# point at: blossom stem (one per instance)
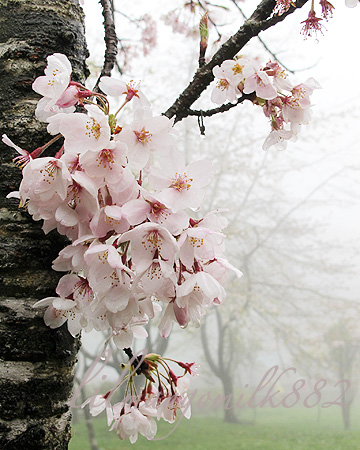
(102, 98)
(121, 107)
(59, 153)
(38, 151)
(89, 102)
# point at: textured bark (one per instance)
(36, 363)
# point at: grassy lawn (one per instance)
(275, 429)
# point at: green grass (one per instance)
(274, 429)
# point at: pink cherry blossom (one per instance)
(126, 189)
(44, 180)
(238, 70)
(260, 83)
(81, 131)
(108, 276)
(105, 164)
(282, 6)
(280, 77)
(151, 241)
(219, 268)
(226, 86)
(200, 243)
(24, 157)
(129, 422)
(197, 292)
(134, 251)
(171, 405)
(181, 187)
(64, 309)
(157, 279)
(109, 218)
(56, 79)
(146, 136)
(147, 207)
(278, 138)
(296, 106)
(81, 201)
(123, 334)
(70, 258)
(97, 404)
(132, 90)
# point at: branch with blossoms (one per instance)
(164, 396)
(121, 192)
(263, 43)
(261, 19)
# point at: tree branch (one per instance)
(261, 19)
(261, 41)
(111, 40)
(216, 369)
(220, 109)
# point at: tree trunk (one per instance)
(228, 388)
(346, 415)
(36, 363)
(89, 424)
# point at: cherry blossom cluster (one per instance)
(287, 110)
(121, 191)
(164, 396)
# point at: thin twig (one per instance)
(110, 41)
(222, 108)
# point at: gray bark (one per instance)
(36, 363)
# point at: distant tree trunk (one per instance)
(346, 415)
(346, 401)
(36, 363)
(221, 366)
(228, 387)
(89, 425)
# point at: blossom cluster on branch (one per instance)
(164, 396)
(286, 111)
(121, 191)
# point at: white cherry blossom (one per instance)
(179, 186)
(260, 83)
(143, 137)
(151, 241)
(82, 132)
(56, 79)
(131, 90)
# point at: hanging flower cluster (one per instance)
(286, 111)
(122, 194)
(164, 396)
(313, 23)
